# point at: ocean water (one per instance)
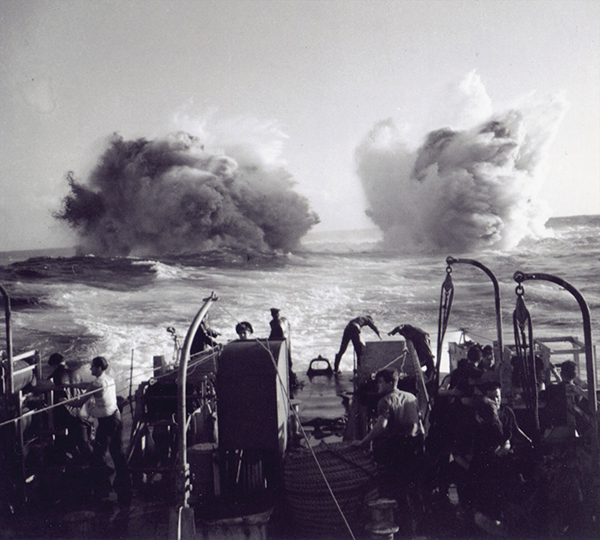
(121, 307)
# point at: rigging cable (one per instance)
(446, 297)
(524, 344)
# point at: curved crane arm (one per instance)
(181, 395)
(450, 261)
(590, 362)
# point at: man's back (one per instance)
(401, 410)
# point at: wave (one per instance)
(577, 234)
(121, 307)
(28, 302)
(93, 271)
(229, 258)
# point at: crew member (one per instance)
(352, 334)
(397, 438)
(467, 372)
(508, 420)
(68, 417)
(494, 472)
(565, 400)
(568, 373)
(280, 327)
(244, 330)
(103, 391)
(204, 338)
(421, 342)
(487, 358)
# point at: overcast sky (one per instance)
(321, 73)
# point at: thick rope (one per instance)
(287, 397)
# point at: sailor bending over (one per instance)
(352, 334)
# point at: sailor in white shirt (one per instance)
(109, 433)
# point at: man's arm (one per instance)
(516, 431)
(212, 333)
(413, 417)
(92, 388)
(377, 431)
(374, 328)
(80, 386)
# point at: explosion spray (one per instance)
(175, 196)
(463, 189)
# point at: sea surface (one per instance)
(83, 306)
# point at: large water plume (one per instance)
(176, 195)
(463, 189)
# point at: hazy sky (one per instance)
(312, 75)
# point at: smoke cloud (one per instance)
(463, 189)
(177, 195)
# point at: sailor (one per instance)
(495, 472)
(280, 327)
(568, 372)
(487, 358)
(204, 338)
(243, 330)
(467, 372)
(352, 334)
(397, 438)
(421, 342)
(108, 434)
(68, 417)
(564, 401)
(510, 429)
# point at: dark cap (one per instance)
(274, 311)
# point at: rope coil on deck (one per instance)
(350, 472)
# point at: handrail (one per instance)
(450, 261)
(9, 347)
(25, 369)
(25, 355)
(590, 362)
(181, 398)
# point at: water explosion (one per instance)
(175, 196)
(463, 189)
